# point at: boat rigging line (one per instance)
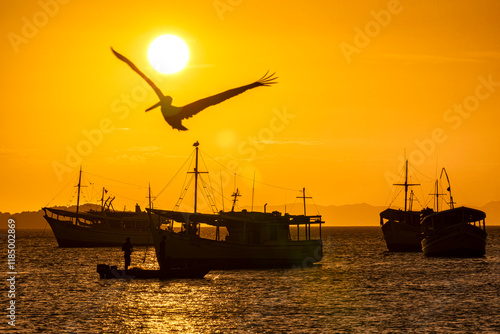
(60, 191)
(211, 195)
(109, 179)
(175, 175)
(405, 170)
(248, 178)
(183, 193)
(315, 206)
(303, 197)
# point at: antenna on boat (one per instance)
(304, 198)
(406, 185)
(236, 194)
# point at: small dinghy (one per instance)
(106, 272)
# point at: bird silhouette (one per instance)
(174, 115)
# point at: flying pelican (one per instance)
(174, 115)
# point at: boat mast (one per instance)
(304, 198)
(406, 185)
(79, 185)
(437, 194)
(196, 178)
(308, 226)
(150, 203)
(236, 194)
(253, 189)
(196, 172)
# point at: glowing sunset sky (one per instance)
(359, 83)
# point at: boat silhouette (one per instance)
(251, 239)
(98, 228)
(456, 232)
(401, 228)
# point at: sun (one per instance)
(168, 54)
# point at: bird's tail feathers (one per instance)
(176, 124)
(268, 79)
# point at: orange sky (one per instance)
(359, 83)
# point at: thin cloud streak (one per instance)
(469, 57)
(289, 142)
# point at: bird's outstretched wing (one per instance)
(192, 109)
(136, 70)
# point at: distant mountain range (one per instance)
(343, 215)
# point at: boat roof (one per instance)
(98, 214)
(388, 213)
(463, 212)
(223, 218)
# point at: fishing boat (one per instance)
(401, 229)
(242, 239)
(98, 228)
(456, 232)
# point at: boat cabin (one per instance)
(243, 226)
(463, 215)
(412, 218)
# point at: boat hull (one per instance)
(401, 237)
(460, 240)
(69, 235)
(181, 249)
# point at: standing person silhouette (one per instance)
(127, 250)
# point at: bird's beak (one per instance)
(154, 106)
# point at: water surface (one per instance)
(358, 287)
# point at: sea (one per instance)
(358, 287)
